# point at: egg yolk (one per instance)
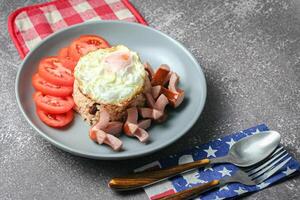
(118, 60)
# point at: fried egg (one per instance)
(110, 76)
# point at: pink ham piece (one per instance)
(114, 128)
(157, 110)
(103, 122)
(161, 103)
(160, 76)
(131, 127)
(167, 79)
(102, 137)
(144, 123)
(112, 141)
(150, 100)
(149, 70)
(101, 132)
(174, 79)
(118, 60)
(142, 135)
(173, 93)
(148, 86)
(151, 113)
(163, 118)
(175, 98)
(156, 91)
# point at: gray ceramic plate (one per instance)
(154, 47)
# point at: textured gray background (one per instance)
(250, 52)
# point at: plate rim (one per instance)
(77, 152)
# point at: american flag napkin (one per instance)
(29, 25)
(213, 149)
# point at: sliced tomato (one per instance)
(85, 44)
(65, 58)
(52, 104)
(45, 87)
(55, 120)
(52, 70)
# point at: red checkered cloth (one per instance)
(29, 25)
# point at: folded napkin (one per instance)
(27, 26)
(193, 178)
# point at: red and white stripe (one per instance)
(30, 25)
(158, 190)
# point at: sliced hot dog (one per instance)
(132, 128)
(142, 135)
(175, 98)
(161, 102)
(160, 75)
(174, 79)
(167, 79)
(114, 128)
(163, 118)
(156, 91)
(150, 100)
(149, 70)
(151, 113)
(157, 109)
(102, 137)
(173, 93)
(145, 123)
(103, 121)
(148, 86)
(102, 131)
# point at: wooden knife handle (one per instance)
(141, 179)
(192, 192)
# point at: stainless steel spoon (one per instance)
(244, 153)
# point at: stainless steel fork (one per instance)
(248, 176)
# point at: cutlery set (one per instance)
(258, 157)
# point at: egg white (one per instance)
(103, 85)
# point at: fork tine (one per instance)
(278, 149)
(262, 166)
(271, 172)
(270, 166)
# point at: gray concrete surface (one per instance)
(250, 52)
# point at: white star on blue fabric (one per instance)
(263, 185)
(225, 187)
(191, 177)
(218, 198)
(218, 147)
(289, 171)
(210, 152)
(225, 172)
(240, 191)
(230, 143)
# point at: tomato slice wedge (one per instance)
(52, 70)
(45, 87)
(86, 43)
(66, 59)
(52, 104)
(55, 120)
